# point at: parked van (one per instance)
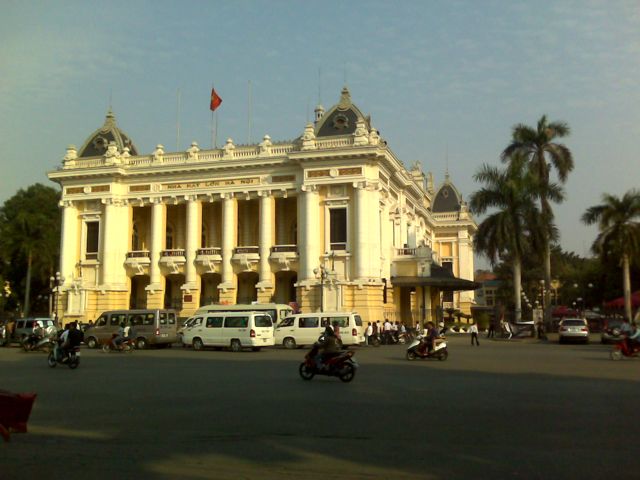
(151, 327)
(235, 330)
(305, 328)
(277, 311)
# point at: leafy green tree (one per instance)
(510, 230)
(30, 239)
(543, 154)
(618, 220)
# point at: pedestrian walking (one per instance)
(473, 329)
(491, 333)
(368, 334)
(387, 331)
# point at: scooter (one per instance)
(622, 349)
(72, 360)
(34, 343)
(341, 365)
(418, 349)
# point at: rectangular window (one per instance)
(309, 322)
(338, 228)
(236, 322)
(448, 266)
(118, 318)
(92, 243)
(263, 321)
(214, 322)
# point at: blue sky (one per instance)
(440, 79)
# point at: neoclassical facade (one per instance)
(331, 221)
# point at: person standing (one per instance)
(368, 334)
(387, 331)
(473, 329)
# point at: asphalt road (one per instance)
(506, 409)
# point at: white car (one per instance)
(575, 329)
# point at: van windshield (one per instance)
(263, 321)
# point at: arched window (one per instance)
(135, 239)
(204, 236)
(169, 238)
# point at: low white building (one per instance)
(332, 221)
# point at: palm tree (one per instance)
(542, 154)
(619, 224)
(511, 229)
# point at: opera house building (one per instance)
(331, 221)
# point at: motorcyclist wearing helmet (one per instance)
(329, 347)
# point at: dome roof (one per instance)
(447, 198)
(341, 119)
(97, 143)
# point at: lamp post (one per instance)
(322, 273)
(56, 282)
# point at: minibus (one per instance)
(234, 330)
(306, 328)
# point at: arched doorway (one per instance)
(247, 292)
(138, 293)
(285, 291)
(209, 292)
(173, 292)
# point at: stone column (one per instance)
(69, 240)
(229, 229)
(361, 232)
(157, 241)
(309, 241)
(266, 237)
(375, 237)
(193, 237)
(109, 234)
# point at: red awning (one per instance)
(619, 302)
(563, 311)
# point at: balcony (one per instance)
(209, 258)
(173, 259)
(138, 261)
(247, 257)
(283, 255)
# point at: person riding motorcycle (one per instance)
(633, 338)
(118, 337)
(37, 333)
(70, 338)
(431, 335)
(329, 347)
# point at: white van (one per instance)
(305, 328)
(236, 330)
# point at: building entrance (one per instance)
(247, 292)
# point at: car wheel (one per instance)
(306, 372)
(289, 343)
(347, 373)
(141, 343)
(92, 342)
(197, 344)
(236, 346)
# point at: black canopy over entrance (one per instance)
(440, 278)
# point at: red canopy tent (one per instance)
(563, 311)
(619, 302)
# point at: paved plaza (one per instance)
(506, 409)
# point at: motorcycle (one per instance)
(342, 365)
(622, 349)
(72, 360)
(124, 346)
(418, 349)
(34, 343)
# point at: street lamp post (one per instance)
(56, 282)
(321, 273)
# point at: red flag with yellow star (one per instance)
(215, 100)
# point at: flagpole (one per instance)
(212, 140)
(178, 123)
(216, 130)
(249, 114)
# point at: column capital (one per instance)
(309, 188)
(191, 198)
(67, 204)
(227, 196)
(264, 193)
